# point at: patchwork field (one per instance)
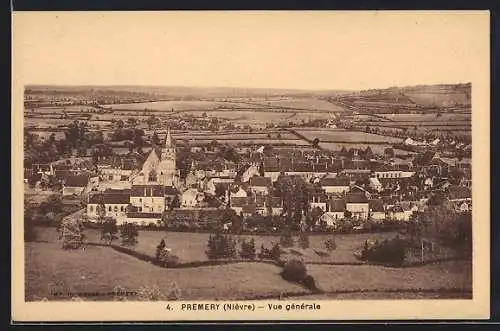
(302, 104)
(340, 135)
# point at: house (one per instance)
(336, 208)
(191, 198)
(459, 193)
(397, 213)
(148, 198)
(318, 199)
(252, 171)
(375, 184)
(377, 209)
(75, 184)
(260, 185)
(115, 204)
(357, 204)
(336, 185)
(464, 207)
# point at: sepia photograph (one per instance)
(247, 165)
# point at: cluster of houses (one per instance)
(354, 184)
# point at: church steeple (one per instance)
(168, 140)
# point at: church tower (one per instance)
(167, 167)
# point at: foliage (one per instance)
(129, 234)
(109, 230)
(304, 240)
(294, 193)
(330, 244)
(248, 249)
(72, 233)
(30, 233)
(294, 271)
(286, 239)
(221, 247)
(160, 248)
(391, 252)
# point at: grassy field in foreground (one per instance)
(191, 246)
(370, 277)
(101, 269)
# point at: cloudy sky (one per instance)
(309, 50)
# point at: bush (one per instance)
(161, 246)
(275, 252)
(72, 233)
(220, 247)
(330, 244)
(248, 249)
(167, 259)
(109, 231)
(286, 239)
(304, 240)
(294, 271)
(391, 252)
(129, 234)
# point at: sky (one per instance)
(296, 50)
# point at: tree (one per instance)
(294, 193)
(155, 140)
(303, 240)
(129, 234)
(314, 218)
(248, 249)
(72, 233)
(161, 246)
(286, 239)
(109, 230)
(315, 142)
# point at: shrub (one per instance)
(275, 252)
(330, 244)
(391, 252)
(286, 239)
(72, 233)
(160, 249)
(304, 240)
(248, 249)
(167, 259)
(294, 271)
(220, 247)
(129, 234)
(109, 230)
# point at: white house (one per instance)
(357, 204)
(337, 185)
(115, 205)
(191, 198)
(260, 185)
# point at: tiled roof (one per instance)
(356, 198)
(260, 181)
(147, 190)
(110, 197)
(76, 180)
(459, 192)
(335, 181)
(337, 205)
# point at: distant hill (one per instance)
(175, 91)
(442, 95)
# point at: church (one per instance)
(158, 182)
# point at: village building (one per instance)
(260, 185)
(377, 210)
(357, 204)
(76, 184)
(115, 203)
(336, 185)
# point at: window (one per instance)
(109, 208)
(91, 208)
(122, 208)
(115, 209)
(140, 200)
(110, 177)
(140, 209)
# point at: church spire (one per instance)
(168, 140)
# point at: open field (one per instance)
(301, 104)
(191, 246)
(371, 277)
(428, 117)
(101, 269)
(340, 135)
(222, 136)
(178, 105)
